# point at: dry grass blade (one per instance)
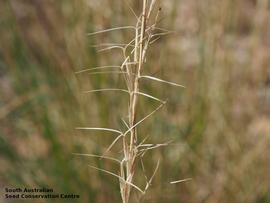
(123, 90)
(124, 63)
(151, 8)
(110, 48)
(107, 89)
(111, 29)
(125, 122)
(154, 40)
(163, 33)
(143, 141)
(131, 9)
(96, 68)
(107, 72)
(131, 63)
(143, 119)
(99, 129)
(142, 152)
(160, 80)
(165, 30)
(149, 96)
(112, 144)
(153, 146)
(119, 177)
(98, 156)
(148, 182)
(144, 171)
(181, 181)
(153, 175)
(111, 44)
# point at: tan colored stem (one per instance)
(130, 149)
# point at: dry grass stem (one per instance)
(181, 181)
(132, 68)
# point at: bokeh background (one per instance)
(219, 124)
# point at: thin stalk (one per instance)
(130, 151)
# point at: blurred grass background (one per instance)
(220, 123)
